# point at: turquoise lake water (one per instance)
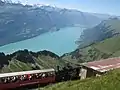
(59, 42)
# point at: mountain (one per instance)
(19, 22)
(101, 50)
(99, 42)
(103, 16)
(106, 29)
(104, 46)
(109, 81)
(24, 60)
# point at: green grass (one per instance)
(42, 61)
(115, 24)
(97, 43)
(105, 49)
(15, 66)
(49, 62)
(106, 29)
(110, 81)
(109, 46)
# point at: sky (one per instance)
(97, 6)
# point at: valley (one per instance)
(42, 37)
(20, 22)
(59, 42)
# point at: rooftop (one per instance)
(104, 64)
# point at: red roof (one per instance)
(104, 65)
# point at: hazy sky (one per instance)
(99, 6)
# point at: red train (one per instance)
(24, 78)
(27, 78)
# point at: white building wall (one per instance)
(83, 73)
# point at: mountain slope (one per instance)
(110, 46)
(18, 22)
(106, 29)
(101, 50)
(107, 47)
(106, 82)
(24, 60)
(99, 42)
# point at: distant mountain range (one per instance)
(19, 22)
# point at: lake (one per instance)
(59, 42)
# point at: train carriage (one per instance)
(24, 78)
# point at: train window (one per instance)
(37, 75)
(43, 75)
(0, 80)
(29, 76)
(4, 80)
(48, 74)
(22, 77)
(12, 79)
(32, 76)
(9, 79)
(52, 73)
(40, 74)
